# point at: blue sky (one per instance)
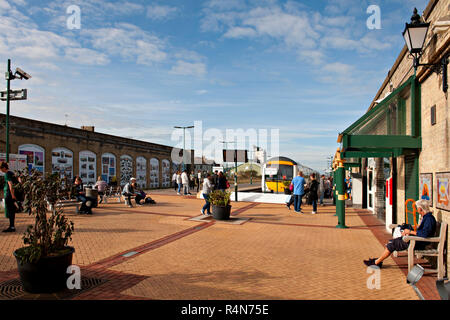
(138, 68)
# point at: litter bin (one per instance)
(92, 194)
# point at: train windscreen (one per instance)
(285, 172)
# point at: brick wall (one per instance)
(435, 154)
(50, 136)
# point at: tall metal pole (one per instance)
(8, 87)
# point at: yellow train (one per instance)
(278, 173)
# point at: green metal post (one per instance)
(8, 87)
(340, 197)
(334, 190)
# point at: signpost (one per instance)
(9, 95)
(235, 156)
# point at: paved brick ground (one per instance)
(277, 254)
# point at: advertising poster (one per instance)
(141, 172)
(126, 169)
(17, 162)
(108, 167)
(443, 191)
(88, 165)
(154, 173)
(35, 156)
(166, 173)
(62, 162)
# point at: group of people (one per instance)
(300, 189)
(140, 197)
(216, 181)
(183, 182)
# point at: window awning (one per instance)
(390, 129)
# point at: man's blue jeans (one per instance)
(297, 202)
(322, 195)
(314, 205)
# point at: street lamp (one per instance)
(12, 95)
(415, 34)
(184, 142)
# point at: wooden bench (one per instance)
(438, 250)
(67, 203)
(112, 192)
(125, 199)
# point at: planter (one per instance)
(47, 275)
(221, 213)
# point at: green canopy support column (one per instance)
(340, 191)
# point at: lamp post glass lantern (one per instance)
(415, 34)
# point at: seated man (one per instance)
(129, 190)
(86, 202)
(426, 229)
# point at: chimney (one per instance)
(88, 128)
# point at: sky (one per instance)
(136, 69)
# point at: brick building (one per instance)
(400, 149)
(71, 151)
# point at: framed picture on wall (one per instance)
(443, 190)
(426, 187)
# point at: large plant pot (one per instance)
(47, 275)
(221, 213)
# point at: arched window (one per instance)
(88, 167)
(165, 173)
(108, 167)
(154, 173)
(141, 172)
(126, 169)
(62, 162)
(35, 156)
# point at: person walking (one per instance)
(322, 188)
(299, 191)
(179, 182)
(185, 182)
(198, 180)
(174, 181)
(10, 197)
(100, 185)
(313, 192)
(221, 182)
(207, 188)
(214, 178)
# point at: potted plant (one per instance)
(286, 185)
(44, 259)
(220, 201)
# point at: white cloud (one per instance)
(201, 92)
(86, 56)
(187, 68)
(239, 32)
(157, 12)
(129, 42)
